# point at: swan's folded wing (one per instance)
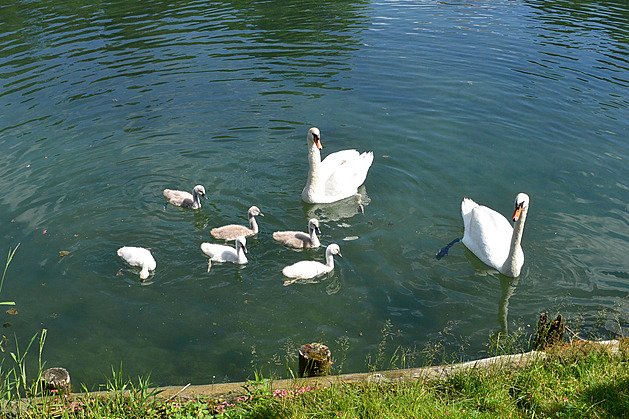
(335, 160)
(219, 252)
(180, 198)
(177, 195)
(488, 235)
(349, 174)
(305, 269)
(230, 232)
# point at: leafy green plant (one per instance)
(19, 384)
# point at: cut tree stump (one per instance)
(549, 334)
(56, 379)
(315, 359)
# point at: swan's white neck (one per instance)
(515, 259)
(314, 161)
(314, 240)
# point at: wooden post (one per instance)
(549, 334)
(56, 379)
(315, 359)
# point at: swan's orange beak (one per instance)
(317, 142)
(516, 214)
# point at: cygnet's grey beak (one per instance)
(340, 254)
(205, 196)
(317, 230)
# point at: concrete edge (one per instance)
(434, 372)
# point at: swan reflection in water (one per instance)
(339, 210)
(508, 286)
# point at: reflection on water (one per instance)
(507, 286)
(340, 210)
(105, 105)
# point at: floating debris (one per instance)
(12, 311)
(63, 253)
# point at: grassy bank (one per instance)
(576, 381)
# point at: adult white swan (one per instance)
(138, 257)
(307, 269)
(338, 176)
(222, 253)
(489, 235)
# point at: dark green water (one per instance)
(105, 104)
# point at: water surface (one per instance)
(105, 104)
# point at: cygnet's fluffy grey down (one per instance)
(222, 253)
(231, 231)
(185, 199)
(307, 269)
(138, 257)
(298, 239)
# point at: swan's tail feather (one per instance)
(467, 206)
(444, 251)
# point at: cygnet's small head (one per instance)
(334, 249)
(521, 202)
(314, 136)
(253, 211)
(313, 224)
(200, 190)
(144, 273)
(242, 243)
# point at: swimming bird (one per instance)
(185, 199)
(489, 235)
(138, 257)
(307, 269)
(299, 240)
(222, 253)
(338, 176)
(231, 231)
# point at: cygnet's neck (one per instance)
(240, 253)
(253, 223)
(144, 273)
(512, 266)
(314, 240)
(329, 259)
(196, 199)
